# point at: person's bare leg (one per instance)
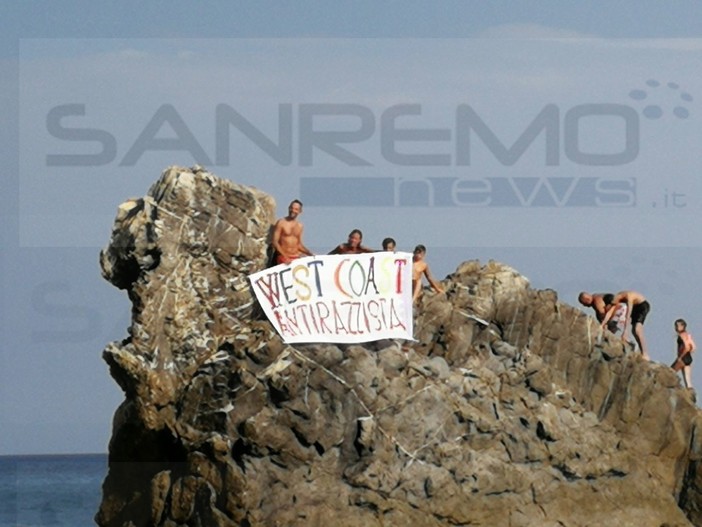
(641, 341)
(687, 376)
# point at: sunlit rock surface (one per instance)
(510, 409)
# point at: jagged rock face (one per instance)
(183, 253)
(509, 409)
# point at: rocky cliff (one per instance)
(508, 410)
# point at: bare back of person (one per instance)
(597, 301)
(418, 269)
(628, 297)
(421, 268)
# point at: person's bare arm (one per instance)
(302, 247)
(433, 283)
(689, 344)
(608, 315)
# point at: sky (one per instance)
(558, 137)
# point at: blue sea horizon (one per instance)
(51, 489)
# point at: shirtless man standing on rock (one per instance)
(421, 268)
(287, 236)
(637, 309)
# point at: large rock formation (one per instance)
(510, 409)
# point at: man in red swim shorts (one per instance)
(287, 236)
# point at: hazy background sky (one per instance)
(141, 86)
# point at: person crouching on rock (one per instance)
(600, 303)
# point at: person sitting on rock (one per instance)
(637, 309)
(419, 268)
(685, 346)
(353, 245)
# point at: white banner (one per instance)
(339, 298)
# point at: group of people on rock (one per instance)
(616, 311)
(287, 246)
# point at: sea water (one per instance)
(51, 490)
